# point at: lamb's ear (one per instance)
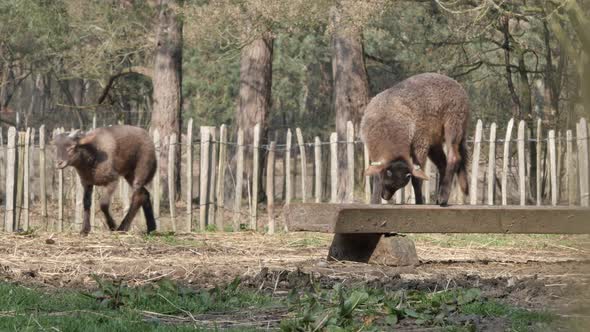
(87, 138)
(76, 134)
(375, 168)
(419, 173)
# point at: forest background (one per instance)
(284, 63)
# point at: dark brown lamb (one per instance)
(410, 122)
(100, 157)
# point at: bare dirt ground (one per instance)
(537, 272)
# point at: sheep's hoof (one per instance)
(84, 233)
(444, 204)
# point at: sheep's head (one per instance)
(68, 147)
(394, 175)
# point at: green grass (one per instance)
(520, 319)
(171, 239)
(114, 306)
(310, 240)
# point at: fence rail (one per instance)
(221, 177)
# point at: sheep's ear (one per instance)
(375, 168)
(419, 173)
(88, 138)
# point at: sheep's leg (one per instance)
(453, 160)
(437, 155)
(419, 156)
(417, 184)
(87, 202)
(104, 205)
(138, 199)
(462, 173)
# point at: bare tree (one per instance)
(167, 81)
(351, 88)
(255, 93)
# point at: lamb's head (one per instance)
(68, 147)
(394, 175)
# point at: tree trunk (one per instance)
(255, 98)
(351, 89)
(6, 80)
(167, 82)
(505, 29)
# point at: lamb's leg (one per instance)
(149, 213)
(104, 205)
(437, 155)
(87, 202)
(138, 199)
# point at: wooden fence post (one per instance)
(559, 144)
(475, 163)
(20, 178)
(220, 220)
(212, 175)
(204, 178)
(506, 162)
(2, 166)
(43, 187)
(172, 141)
(333, 167)
(350, 161)
(125, 199)
(409, 197)
(255, 168)
(521, 162)
(367, 178)
(582, 138)
(288, 177)
(94, 200)
(239, 180)
(318, 169)
(570, 168)
(399, 196)
(303, 164)
(31, 163)
(26, 179)
(157, 180)
(539, 169)
(270, 193)
(10, 207)
(189, 176)
(79, 203)
(553, 167)
(60, 197)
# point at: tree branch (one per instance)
(137, 70)
(7, 122)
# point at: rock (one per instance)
(395, 250)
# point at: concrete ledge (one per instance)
(361, 218)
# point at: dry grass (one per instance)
(212, 258)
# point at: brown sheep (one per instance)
(100, 157)
(409, 122)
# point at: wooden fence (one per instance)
(218, 177)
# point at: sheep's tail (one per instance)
(462, 170)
